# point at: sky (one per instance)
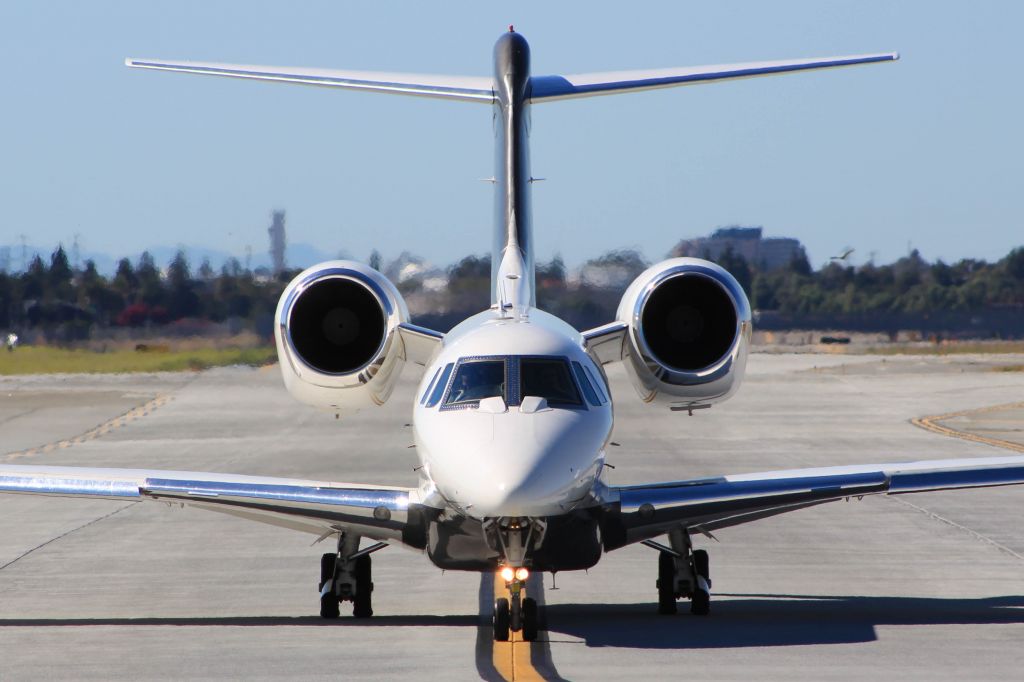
(924, 153)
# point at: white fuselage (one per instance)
(501, 455)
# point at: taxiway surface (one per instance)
(917, 587)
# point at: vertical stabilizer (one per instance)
(512, 266)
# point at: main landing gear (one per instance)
(518, 614)
(346, 575)
(682, 572)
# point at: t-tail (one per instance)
(511, 91)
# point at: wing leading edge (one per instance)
(550, 88)
(380, 513)
(465, 88)
(640, 512)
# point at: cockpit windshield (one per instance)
(477, 380)
(511, 378)
(548, 378)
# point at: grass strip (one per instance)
(979, 348)
(49, 360)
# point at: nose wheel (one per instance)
(516, 614)
(502, 619)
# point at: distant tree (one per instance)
(34, 279)
(552, 273)
(178, 271)
(150, 287)
(95, 295)
(471, 267)
(60, 275)
(182, 300)
(232, 268)
(376, 260)
(206, 272)
(799, 265)
(737, 265)
(125, 280)
(1014, 264)
(469, 283)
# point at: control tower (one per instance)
(277, 242)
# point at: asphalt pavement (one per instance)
(925, 586)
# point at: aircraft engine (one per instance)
(689, 333)
(337, 336)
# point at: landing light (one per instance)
(522, 574)
(507, 574)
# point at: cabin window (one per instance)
(548, 378)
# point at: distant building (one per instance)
(765, 253)
(277, 243)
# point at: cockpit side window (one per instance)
(548, 378)
(430, 386)
(439, 386)
(477, 380)
(588, 389)
(597, 386)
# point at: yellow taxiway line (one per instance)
(931, 424)
(95, 432)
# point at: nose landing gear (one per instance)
(517, 613)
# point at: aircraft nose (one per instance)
(515, 463)
(526, 476)
(512, 481)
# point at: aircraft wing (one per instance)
(466, 88)
(322, 508)
(550, 88)
(640, 512)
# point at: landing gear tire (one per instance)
(701, 564)
(700, 605)
(666, 584)
(530, 622)
(701, 602)
(329, 607)
(502, 619)
(362, 603)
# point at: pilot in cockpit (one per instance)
(476, 381)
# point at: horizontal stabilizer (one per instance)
(466, 88)
(549, 88)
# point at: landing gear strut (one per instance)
(683, 572)
(346, 575)
(518, 614)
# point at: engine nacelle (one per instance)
(337, 336)
(689, 333)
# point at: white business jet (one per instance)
(513, 412)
